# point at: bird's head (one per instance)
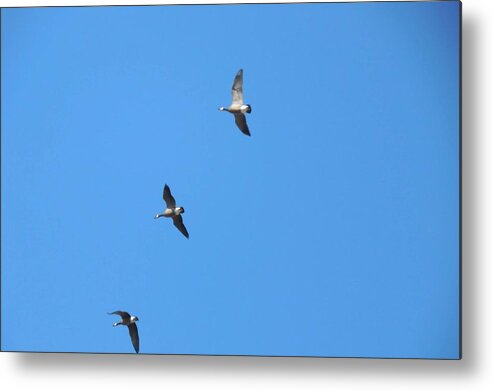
(182, 209)
(133, 319)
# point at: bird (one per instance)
(129, 320)
(237, 107)
(173, 211)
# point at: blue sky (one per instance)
(332, 231)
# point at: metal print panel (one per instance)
(316, 213)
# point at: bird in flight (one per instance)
(129, 321)
(173, 211)
(237, 107)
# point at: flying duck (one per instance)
(128, 320)
(173, 211)
(238, 108)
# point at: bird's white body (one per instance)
(244, 108)
(170, 212)
(236, 109)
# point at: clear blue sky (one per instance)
(332, 231)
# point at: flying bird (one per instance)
(128, 320)
(173, 211)
(237, 107)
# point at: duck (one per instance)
(237, 107)
(129, 321)
(173, 211)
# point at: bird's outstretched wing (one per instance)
(178, 223)
(240, 121)
(134, 336)
(237, 89)
(168, 198)
(123, 314)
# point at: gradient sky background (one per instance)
(332, 231)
